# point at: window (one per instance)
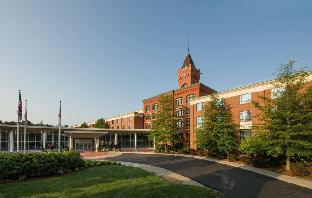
(117, 121)
(180, 123)
(245, 116)
(187, 111)
(245, 98)
(155, 107)
(112, 121)
(199, 106)
(199, 121)
(245, 133)
(190, 98)
(147, 109)
(277, 92)
(179, 112)
(147, 117)
(179, 101)
(153, 116)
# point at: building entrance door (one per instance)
(83, 145)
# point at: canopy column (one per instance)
(70, 142)
(97, 143)
(11, 141)
(116, 139)
(44, 139)
(135, 141)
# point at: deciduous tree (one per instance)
(217, 133)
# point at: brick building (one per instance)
(132, 120)
(189, 88)
(245, 114)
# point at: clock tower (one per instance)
(188, 74)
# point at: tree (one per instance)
(164, 127)
(217, 133)
(287, 118)
(100, 123)
(84, 125)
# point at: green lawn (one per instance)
(106, 181)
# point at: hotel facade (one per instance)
(191, 97)
(131, 130)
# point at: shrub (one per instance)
(299, 169)
(185, 149)
(19, 165)
(93, 163)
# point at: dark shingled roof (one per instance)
(188, 60)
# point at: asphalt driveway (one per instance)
(230, 181)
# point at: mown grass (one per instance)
(105, 181)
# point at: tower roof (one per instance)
(188, 60)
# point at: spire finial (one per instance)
(188, 42)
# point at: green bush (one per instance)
(93, 163)
(20, 166)
(299, 169)
(185, 149)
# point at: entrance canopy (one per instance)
(46, 136)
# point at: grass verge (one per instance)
(104, 181)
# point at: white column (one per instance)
(96, 141)
(70, 142)
(11, 143)
(17, 136)
(52, 138)
(135, 141)
(44, 139)
(154, 144)
(116, 139)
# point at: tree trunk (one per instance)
(288, 163)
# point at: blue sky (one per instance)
(101, 58)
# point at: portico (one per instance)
(80, 139)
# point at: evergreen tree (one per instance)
(164, 127)
(84, 125)
(287, 129)
(217, 134)
(100, 123)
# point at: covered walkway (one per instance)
(81, 139)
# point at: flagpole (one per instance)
(25, 126)
(60, 123)
(18, 120)
(17, 133)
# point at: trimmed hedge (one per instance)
(94, 163)
(21, 166)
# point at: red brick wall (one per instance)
(236, 108)
(197, 90)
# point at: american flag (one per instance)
(19, 107)
(60, 113)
